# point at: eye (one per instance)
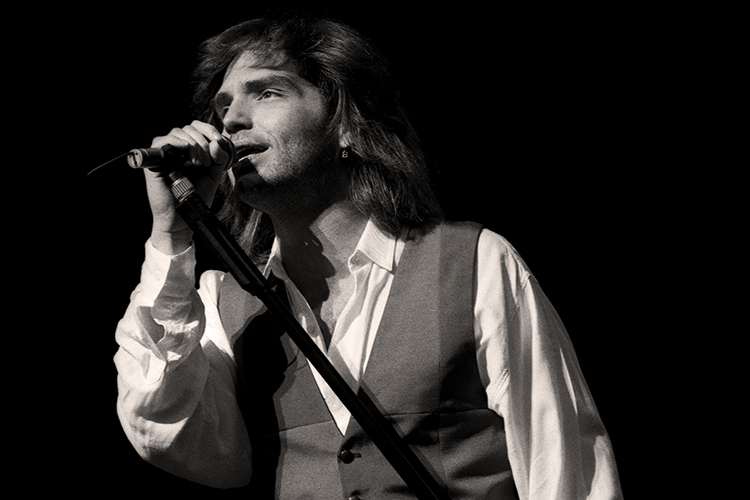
(268, 94)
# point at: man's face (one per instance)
(277, 121)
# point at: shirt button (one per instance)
(347, 456)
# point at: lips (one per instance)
(245, 156)
(248, 152)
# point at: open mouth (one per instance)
(248, 152)
(245, 159)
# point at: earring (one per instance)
(345, 153)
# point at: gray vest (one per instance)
(422, 373)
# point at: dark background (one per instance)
(558, 129)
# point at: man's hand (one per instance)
(208, 160)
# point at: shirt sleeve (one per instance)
(557, 444)
(176, 377)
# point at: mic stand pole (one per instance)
(197, 215)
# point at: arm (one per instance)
(176, 376)
(176, 379)
(557, 444)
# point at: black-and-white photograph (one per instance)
(359, 252)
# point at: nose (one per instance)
(236, 117)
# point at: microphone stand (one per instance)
(197, 215)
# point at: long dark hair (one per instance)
(389, 177)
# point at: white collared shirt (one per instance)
(557, 445)
(373, 265)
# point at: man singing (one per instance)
(441, 323)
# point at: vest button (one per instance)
(347, 456)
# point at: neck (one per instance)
(316, 249)
(315, 257)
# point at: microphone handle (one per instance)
(167, 156)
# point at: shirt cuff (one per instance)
(166, 275)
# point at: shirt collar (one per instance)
(376, 245)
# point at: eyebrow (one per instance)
(257, 85)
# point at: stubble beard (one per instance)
(302, 181)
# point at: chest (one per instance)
(425, 341)
(328, 303)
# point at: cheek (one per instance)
(309, 135)
(299, 123)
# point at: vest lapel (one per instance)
(409, 322)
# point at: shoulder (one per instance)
(492, 251)
(492, 247)
(500, 269)
(455, 233)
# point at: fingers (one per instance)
(202, 140)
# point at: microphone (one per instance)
(169, 157)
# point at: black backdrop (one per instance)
(539, 124)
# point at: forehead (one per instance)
(251, 62)
(251, 73)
